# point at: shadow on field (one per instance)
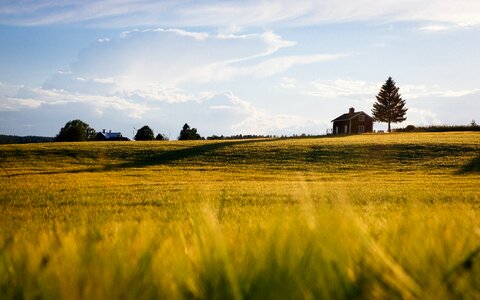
(153, 157)
(294, 156)
(472, 167)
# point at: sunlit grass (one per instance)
(371, 216)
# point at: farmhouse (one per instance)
(109, 136)
(353, 122)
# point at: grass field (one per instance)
(370, 216)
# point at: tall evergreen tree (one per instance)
(390, 107)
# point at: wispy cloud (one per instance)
(103, 40)
(196, 35)
(140, 59)
(358, 88)
(423, 117)
(200, 36)
(288, 83)
(234, 14)
(278, 65)
(423, 91)
(443, 27)
(341, 88)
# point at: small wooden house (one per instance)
(353, 123)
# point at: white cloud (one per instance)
(140, 59)
(421, 91)
(103, 40)
(272, 41)
(357, 88)
(222, 71)
(235, 14)
(422, 117)
(211, 112)
(342, 88)
(435, 28)
(200, 36)
(280, 124)
(288, 83)
(443, 27)
(14, 104)
(8, 89)
(281, 64)
(26, 97)
(159, 92)
(127, 33)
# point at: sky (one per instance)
(233, 67)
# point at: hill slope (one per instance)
(370, 216)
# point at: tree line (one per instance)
(146, 134)
(14, 139)
(80, 131)
(440, 128)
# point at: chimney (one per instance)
(110, 131)
(351, 110)
(103, 131)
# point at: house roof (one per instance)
(348, 116)
(109, 135)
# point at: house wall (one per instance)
(367, 125)
(352, 126)
(341, 127)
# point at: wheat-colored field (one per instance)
(369, 216)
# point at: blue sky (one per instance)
(231, 67)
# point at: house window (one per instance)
(361, 129)
(361, 118)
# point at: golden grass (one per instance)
(370, 216)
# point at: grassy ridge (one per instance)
(371, 216)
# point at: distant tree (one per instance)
(473, 123)
(75, 131)
(410, 128)
(188, 133)
(161, 137)
(13, 139)
(389, 107)
(144, 134)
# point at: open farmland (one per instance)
(369, 216)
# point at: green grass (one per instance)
(370, 216)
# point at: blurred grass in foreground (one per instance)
(371, 216)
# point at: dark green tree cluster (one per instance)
(389, 107)
(75, 131)
(161, 137)
(144, 134)
(188, 133)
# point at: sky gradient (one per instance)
(233, 67)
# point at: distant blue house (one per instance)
(109, 136)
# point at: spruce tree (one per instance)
(389, 107)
